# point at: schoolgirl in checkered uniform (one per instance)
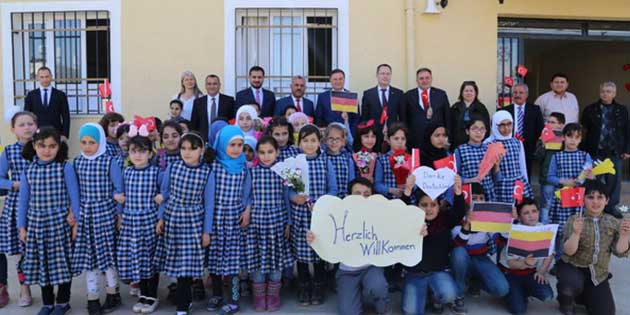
(384, 179)
(138, 217)
(566, 165)
(512, 166)
(12, 164)
(368, 140)
(281, 130)
(342, 162)
(184, 216)
(230, 188)
(94, 251)
(110, 123)
(170, 135)
(322, 181)
(469, 155)
(268, 251)
(122, 160)
(48, 206)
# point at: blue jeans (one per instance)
(481, 267)
(614, 183)
(546, 199)
(415, 286)
(559, 247)
(521, 288)
(259, 277)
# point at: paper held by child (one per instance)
(489, 159)
(492, 217)
(538, 241)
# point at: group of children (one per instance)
(144, 199)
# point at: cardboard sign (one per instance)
(538, 241)
(434, 182)
(359, 231)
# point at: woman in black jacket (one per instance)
(462, 111)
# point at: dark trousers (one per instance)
(3, 269)
(304, 275)
(233, 287)
(148, 287)
(63, 294)
(523, 287)
(183, 295)
(574, 282)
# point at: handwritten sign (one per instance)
(433, 182)
(538, 241)
(359, 231)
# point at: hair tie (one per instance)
(135, 131)
(368, 124)
(196, 135)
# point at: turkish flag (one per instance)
(414, 162)
(547, 134)
(572, 197)
(521, 70)
(508, 81)
(519, 137)
(147, 121)
(517, 194)
(467, 192)
(109, 106)
(448, 162)
(105, 89)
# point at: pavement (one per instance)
(483, 305)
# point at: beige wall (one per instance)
(160, 39)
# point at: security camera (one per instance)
(443, 3)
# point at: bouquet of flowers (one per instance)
(294, 172)
(399, 163)
(365, 161)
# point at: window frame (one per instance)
(6, 11)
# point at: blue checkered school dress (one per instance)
(49, 244)
(121, 160)
(301, 214)
(287, 152)
(163, 159)
(94, 248)
(226, 254)
(469, 158)
(137, 240)
(9, 234)
(510, 171)
(267, 248)
(179, 249)
(388, 176)
(113, 149)
(568, 165)
(342, 172)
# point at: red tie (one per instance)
(425, 99)
(297, 104)
(384, 104)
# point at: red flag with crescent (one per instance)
(521, 70)
(519, 187)
(109, 106)
(147, 121)
(105, 89)
(467, 192)
(448, 162)
(547, 134)
(573, 197)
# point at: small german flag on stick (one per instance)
(344, 102)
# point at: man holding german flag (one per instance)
(337, 104)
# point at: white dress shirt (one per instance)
(380, 94)
(566, 104)
(420, 97)
(262, 96)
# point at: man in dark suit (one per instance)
(382, 102)
(297, 99)
(324, 114)
(210, 107)
(49, 104)
(422, 105)
(528, 121)
(255, 94)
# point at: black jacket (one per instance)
(592, 123)
(416, 118)
(199, 117)
(534, 125)
(371, 107)
(57, 114)
(457, 134)
(246, 96)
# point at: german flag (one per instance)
(493, 217)
(532, 240)
(344, 102)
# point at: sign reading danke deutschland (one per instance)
(359, 231)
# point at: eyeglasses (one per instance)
(505, 125)
(334, 140)
(478, 129)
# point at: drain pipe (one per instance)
(410, 10)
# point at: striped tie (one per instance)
(520, 117)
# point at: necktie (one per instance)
(45, 98)
(384, 105)
(520, 119)
(425, 99)
(297, 104)
(213, 110)
(258, 98)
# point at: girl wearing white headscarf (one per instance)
(512, 166)
(100, 181)
(245, 123)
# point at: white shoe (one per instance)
(137, 308)
(150, 308)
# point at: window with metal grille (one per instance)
(286, 42)
(75, 45)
